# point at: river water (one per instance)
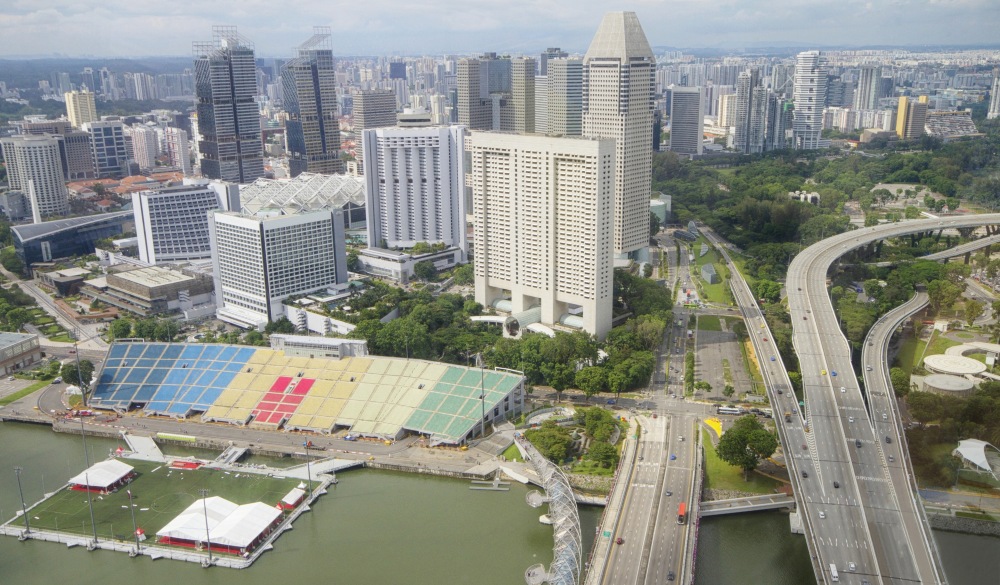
(389, 528)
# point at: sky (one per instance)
(132, 28)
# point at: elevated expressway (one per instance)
(955, 252)
(872, 518)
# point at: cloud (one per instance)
(141, 27)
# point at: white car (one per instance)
(869, 368)
(822, 514)
(850, 419)
(843, 389)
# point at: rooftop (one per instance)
(32, 231)
(153, 276)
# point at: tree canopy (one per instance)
(746, 444)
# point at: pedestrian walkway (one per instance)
(143, 448)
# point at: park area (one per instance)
(159, 494)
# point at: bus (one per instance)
(729, 410)
(682, 513)
(834, 576)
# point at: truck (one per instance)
(788, 416)
(690, 334)
(834, 576)
(682, 513)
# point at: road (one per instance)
(869, 520)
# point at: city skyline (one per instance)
(385, 27)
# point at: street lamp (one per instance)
(90, 505)
(24, 510)
(482, 393)
(135, 529)
(208, 536)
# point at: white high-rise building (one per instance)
(541, 104)
(564, 85)
(35, 169)
(618, 103)
(178, 148)
(171, 223)
(809, 96)
(994, 111)
(727, 110)
(866, 93)
(145, 146)
(259, 261)
(687, 122)
(80, 107)
(415, 186)
(542, 209)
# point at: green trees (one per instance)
(746, 444)
(900, 381)
(591, 380)
(424, 270)
(120, 329)
(973, 310)
(282, 325)
(654, 224)
(86, 373)
(551, 440)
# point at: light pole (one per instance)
(79, 377)
(90, 505)
(308, 469)
(208, 536)
(135, 529)
(83, 437)
(482, 391)
(24, 510)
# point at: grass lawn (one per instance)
(160, 493)
(907, 353)
(727, 372)
(592, 468)
(977, 516)
(709, 323)
(720, 475)
(512, 454)
(22, 393)
(63, 337)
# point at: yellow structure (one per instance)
(911, 117)
(714, 424)
(80, 107)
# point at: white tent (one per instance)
(102, 474)
(228, 524)
(974, 451)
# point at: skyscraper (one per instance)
(312, 130)
(415, 186)
(618, 103)
(866, 93)
(35, 169)
(748, 136)
(994, 111)
(910, 117)
(107, 146)
(564, 85)
(171, 223)
(374, 108)
(542, 210)
(178, 149)
(687, 124)
(474, 112)
(810, 98)
(550, 54)
(145, 146)
(228, 117)
(80, 107)
(496, 93)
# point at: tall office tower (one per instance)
(911, 117)
(225, 98)
(748, 114)
(866, 92)
(373, 108)
(548, 55)
(542, 209)
(260, 261)
(496, 94)
(618, 103)
(144, 86)
(994, 111)
(178, 149)
(397, 70)
(687, 123)
(565, 97)
(839, 93)
(727, 110)
(415, 186)
(145, 146)
(886, 87)
(87, 79)
(107, 147)
(782, 79)
(473, 112)
(312, 130)
(810, 97)
(80, 107)
(74, 145)
(35, 169)
(171, 223)
(541, 104)
(779, 122)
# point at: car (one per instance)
(833, 373)
(799, 288)
(852, 567)
(654, 415)
(885, 416)
(888, 439)
(891, 458)
(857, 443)
(673, 457)
(72, 351)
(10, 378)
(868, 368)
(668, 493)
(850, 419)
(804, 447)
(670, 576)
(822, 372)
(805, 474)
(843, 389)
(871, 343)
(772, 358)
(804, 318)
(822, 514)
(765, 339)
(640, 457)
(780, 391)
(680, 438)
(611, 401)
(58, 380)
(620, 540)
(836, 484)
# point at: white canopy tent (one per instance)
(103, 474)
(229, 524)
(974, 452)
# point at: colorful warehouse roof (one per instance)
(264, 388)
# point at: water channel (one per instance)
(388, 528)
